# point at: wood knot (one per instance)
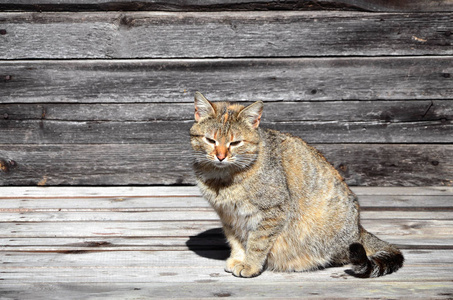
(127, 21)
(4, 167)
(343, 168)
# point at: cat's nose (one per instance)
(221, 152)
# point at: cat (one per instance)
(283, 207)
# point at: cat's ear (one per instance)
(252, 113)
(203, 108)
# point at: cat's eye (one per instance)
(210, 141)
(235, 143)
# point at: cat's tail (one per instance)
(384, 258)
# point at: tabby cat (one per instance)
(283, 207)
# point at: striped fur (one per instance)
(282, 205)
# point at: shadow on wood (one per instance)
(210, 244)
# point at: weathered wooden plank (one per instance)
(360, 164)
(96, 164)
(180, 194)
(403, 191)
(192, 275)
(408, 202)
(10, 203)
(229, 5)
(104, 35)
(182, 214)
(210, 239)
(400, 5)
(146, 215)
(127, 203)
(211, 288)
(318, 122)
(347, 111)
(175, 132)
(343, 156)
(126, 81)
(441, 229)
(214, 241)
(122, 192)
(178, 259)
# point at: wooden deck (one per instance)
(166, 242)
(100, 93)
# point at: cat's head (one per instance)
(225, 135)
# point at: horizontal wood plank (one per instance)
(129, 81)
(175, 132)
(116, 164)
(146, 215)
(157, 215)
(210, 240)
(10, 203)
(211, 287)
(181, 193)
(417, 121)
(411, 229)
(275, 112)
(179, 259)
(103, 35)
(191, 275)
(197, 235)
(229, 5)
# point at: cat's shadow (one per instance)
(210, 244)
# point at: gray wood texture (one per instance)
(110, 35)
(274, 112)
(215, 5)
(170, 164)
(166, 242)
(93, 96)
(288, 79)
(421, 121)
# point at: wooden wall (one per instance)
(100, 92)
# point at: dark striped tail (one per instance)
(382, 262)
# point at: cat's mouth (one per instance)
(221, 164)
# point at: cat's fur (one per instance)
(282, 205)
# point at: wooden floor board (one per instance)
(172, 259)
(187, 215)
(213, 288)
(126, 203)
(166, 242)
(196, 273)
(71, 192)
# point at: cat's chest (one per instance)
(235, 209)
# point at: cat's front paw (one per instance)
(246, 270)
(231, 263)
